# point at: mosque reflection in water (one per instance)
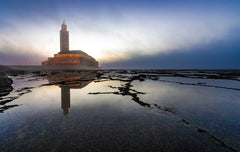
(70, 80)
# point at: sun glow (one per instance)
(106, 38)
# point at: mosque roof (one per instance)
(76, 52)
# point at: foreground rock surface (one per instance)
(5, 85)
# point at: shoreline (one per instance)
(34, 68)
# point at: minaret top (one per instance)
(64, 26)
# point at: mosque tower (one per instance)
(64, 39)
(70, 57)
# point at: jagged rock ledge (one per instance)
(5, 85)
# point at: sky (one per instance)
(156, 34)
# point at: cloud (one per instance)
(219, 54)
(10, 56)
(112, 32)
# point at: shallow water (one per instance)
(116, 112)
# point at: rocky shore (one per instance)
(5, 85)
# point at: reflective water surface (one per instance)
(120, 111)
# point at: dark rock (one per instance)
(5, 85)
(5, 81)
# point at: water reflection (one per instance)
(70, 80)
(137, 111)
(65, 99)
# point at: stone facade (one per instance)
(71, 58)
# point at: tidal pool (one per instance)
(120, 111)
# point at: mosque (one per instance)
(70, 57)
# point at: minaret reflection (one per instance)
(70, 80)
(65, 99)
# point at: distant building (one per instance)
(69, 57)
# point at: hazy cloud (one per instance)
(116, 30)
(220, 54)
(20, 56)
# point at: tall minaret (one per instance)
(64, 40)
